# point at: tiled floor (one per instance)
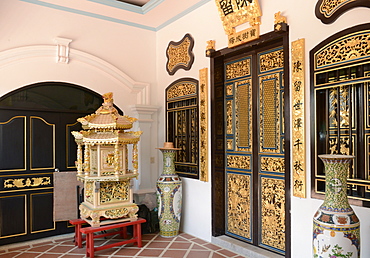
(183, 245)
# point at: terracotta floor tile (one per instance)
(28, 255)
(161, 245)
(150, 253)
(181, 246)
(174, 253)
(177, 245)
(199, 241)
(148, 236)
(217, 255)
(198, 254)
(60, 249)
(212, 246)
(187, 236)
(40, 249)
(8, 255)
(19, 248)
(49, 256)
(127, 251)
(78, 250)
(44, 243)
(166, 239)
(198, 247)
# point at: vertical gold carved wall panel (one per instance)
(273, 212)
(239, 221)
(203, 121)
(298, 119)
(270, 123)
(243, 115)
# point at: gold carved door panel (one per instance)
(255, 164)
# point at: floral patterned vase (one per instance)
(169, 194)
(336, 228)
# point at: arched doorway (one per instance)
(35, 134)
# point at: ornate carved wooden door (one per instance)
(254, 148)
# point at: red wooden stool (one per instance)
(89, 232)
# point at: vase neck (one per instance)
(336, 172)
(168, 162)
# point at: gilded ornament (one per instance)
(234, 13)
(351, 47)
(26, 182)
(210, 47)
(180, 55)
(269, 115)
(180, 90)
(273, 212)
(203, 123)
(329, 10)
(104, 170)
(238, 205)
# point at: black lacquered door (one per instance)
(33, 145)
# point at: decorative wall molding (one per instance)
(20, 55)
(63, 49)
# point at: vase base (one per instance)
(169, 234)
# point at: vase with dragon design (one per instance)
(336, 228)
(169, 194)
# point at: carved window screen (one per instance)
(182, 125)
(341, 92)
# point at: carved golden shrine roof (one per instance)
(107, 137)
(106, 117)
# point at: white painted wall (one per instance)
(204, 24)
(107, 56)
(104, 57)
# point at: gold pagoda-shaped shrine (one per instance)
(102, 165)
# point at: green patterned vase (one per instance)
(336, 228)
(169, 194)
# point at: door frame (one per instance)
(218, 133)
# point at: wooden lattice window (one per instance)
(340, 80)
(182, 125)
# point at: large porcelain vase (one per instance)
(336, 228)
(169, 194)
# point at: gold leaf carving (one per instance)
(203, 122)
(181, 89)
(273, 213)
(350, 47)
(238, 161)
(27, 182)
(238, 206)
(298, 119)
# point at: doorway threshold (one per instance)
(242, 248)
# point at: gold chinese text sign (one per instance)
(236, 12)
(298, 119)
(203, 122)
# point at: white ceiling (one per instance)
(135, 2)
(152, 15)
